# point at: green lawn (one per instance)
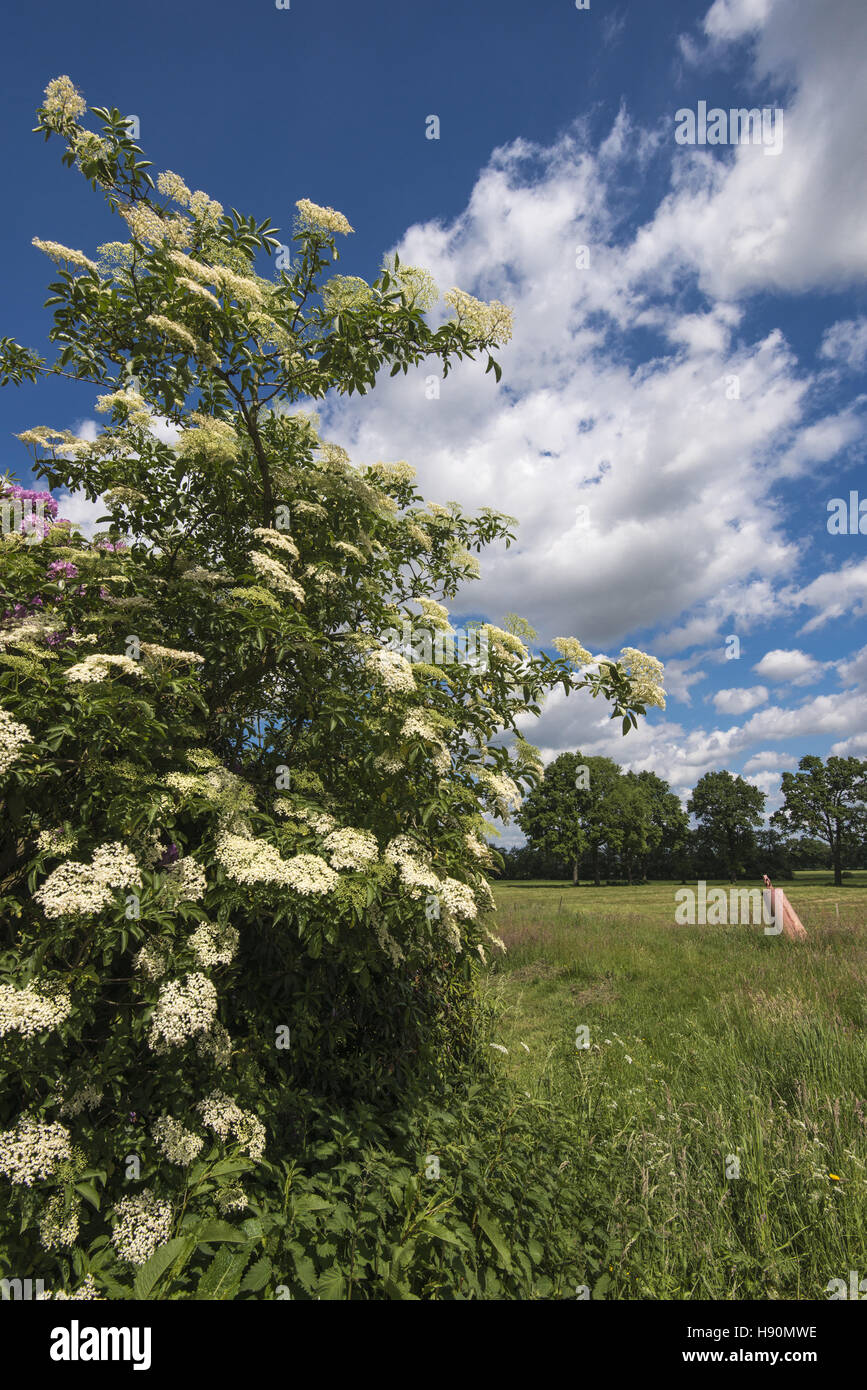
(705, 1042)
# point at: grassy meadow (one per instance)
(709, 1046)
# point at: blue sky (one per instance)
(674, 417)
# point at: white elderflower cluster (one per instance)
(134, 406)
(230, 1199)
(32, 1151)
(172, 186)
(87, 1097)
(146, 225)
(275, 575)
(320, 821)
(249, 861)
(224, 790)
(58, 1227)
(183, 1009)
(97, 666)
(418, 724)
(573, 651)
(214, 945)
(395, 474)
(252, 861)
(215, 439)
(60, 253)
(314, 509)
(478, 849)
(225, 1117)
(500, 790)
(28, 1012)
(75, 889)
(351, 849)
(215, 1046)
(315, 218)
(506, 644)
(279, 539)
(63, 101)
(56, 841)
(86, 1292)
(198, 575)
(435, 614)
(490, 322)
(159, 656)
(144, 1223)
(184, 338)
(187, 880)
(308, 873)
(413, 865)
(458, 898)
(192, 287)
(152, 961)
(344, 292)
(391, 669)
(388, 763)
(351, 551)
(13, 737)
(178, 1144)
(645, 674)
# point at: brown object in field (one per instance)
(793, 927)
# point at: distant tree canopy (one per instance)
(828, 800)
(586, 819)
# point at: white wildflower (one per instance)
(183, 1009)
(144, 1224)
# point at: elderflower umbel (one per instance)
(13, 737)
(279, 539)
(60, 253)
(412, 864)
(225, 1117)
(315, 218)
(573, 651)
(63, 100)
(32, 1150)
(144, 1223)
(187, 880)
(28, 1012)
(183, 1009)
(391, 669)
(58, 1227)
(179, 1145)
(275, 575)
(75, 889)
(214, 945)
(351, 849)
(97, 666)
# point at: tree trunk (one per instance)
(575, 873)
(596, 878)
(838, 863)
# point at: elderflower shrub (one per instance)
(227, 808)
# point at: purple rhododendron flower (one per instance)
(62, 567)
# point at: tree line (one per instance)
(588, 819)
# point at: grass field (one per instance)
(709, 1047)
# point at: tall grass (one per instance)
(709, 1047)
